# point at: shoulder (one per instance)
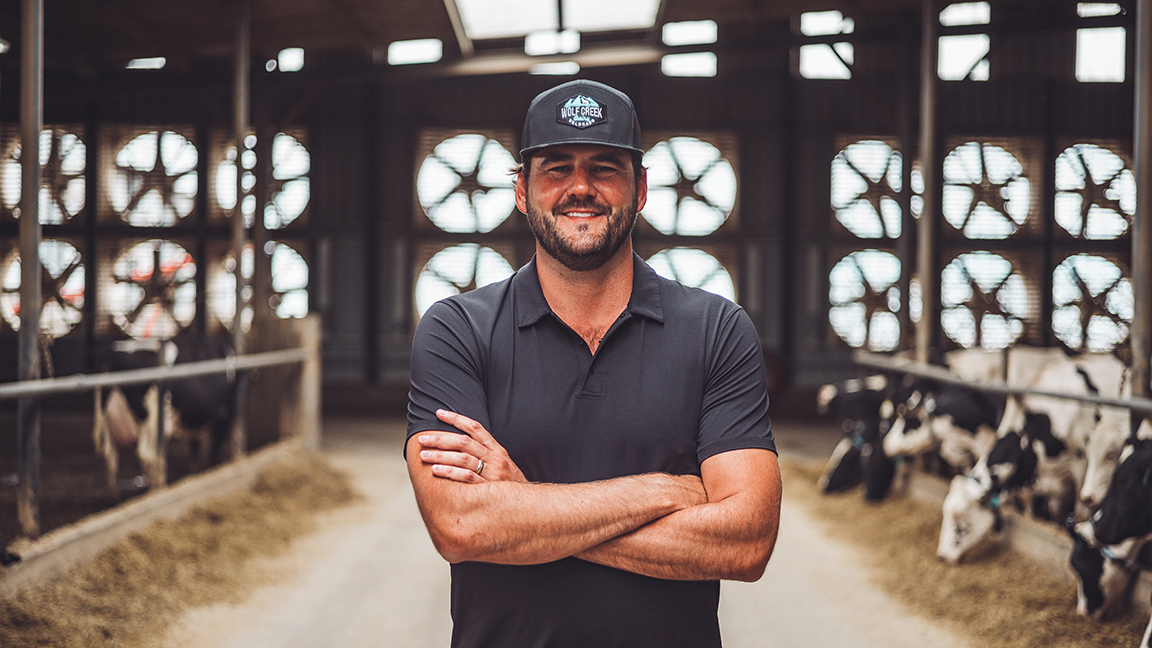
(473, 308)
(682, 303)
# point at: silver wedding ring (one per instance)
(480, 466)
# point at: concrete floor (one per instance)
(370, 577)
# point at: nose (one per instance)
(580, 182)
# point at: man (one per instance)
(589, 443)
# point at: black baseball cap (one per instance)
(581, 112)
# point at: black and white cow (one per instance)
(1124, 518)
(1103, 443)
(1010, 469)
(1038, 454)
(951, 423)
(1126, 510)
(860, 406)
(198, 410)
(1104, 574)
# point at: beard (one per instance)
(583, 255)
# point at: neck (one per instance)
(587, 301)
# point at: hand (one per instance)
(457, 457)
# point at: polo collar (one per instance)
(531, 305)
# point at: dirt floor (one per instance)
(996, 597)
(129, 595)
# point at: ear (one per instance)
(521, 191)
(642, 190)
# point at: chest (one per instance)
(566, 415)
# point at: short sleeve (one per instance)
(734, 414)
(446, 371)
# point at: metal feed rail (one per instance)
(940, 374)
(86, 382)
(28, 497)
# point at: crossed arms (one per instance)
(721, 525)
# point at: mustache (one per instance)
(581, 203)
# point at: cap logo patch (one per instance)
(581, 112)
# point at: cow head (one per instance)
(1010, 463)
(1104, 575)
(1126, 510)
(859, 405)
(965, 521)
(843, 468)
(1102, 451)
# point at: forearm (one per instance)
(526, 523)
(729, 537)
(722, 540)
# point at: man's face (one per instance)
(581, 201)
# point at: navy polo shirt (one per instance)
(678, 378)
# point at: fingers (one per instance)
(456, 473)
(458, 459)
(477, 444)
(468, 426)
(457, 466)
(457, 450)
(451, 441)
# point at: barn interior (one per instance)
(813, 162)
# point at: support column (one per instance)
(241, 101)
(1142, 219)
(31, 123)
(927, 330)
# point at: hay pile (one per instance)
(131, 592)
(997, 598)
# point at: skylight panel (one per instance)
(825, 23)
(609, 15)
(410, 52)
(507, 18)
(1093, 9)
(1100, 55)
(966, 13)
(545, 43)
(694, 32)
(151, 63)
(700, 64)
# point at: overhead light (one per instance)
(546, 43)
(560, 68)
(692, 32)
(422, 50)
(4, 46)
(151, 63)
(700, 64)
(290, 59)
